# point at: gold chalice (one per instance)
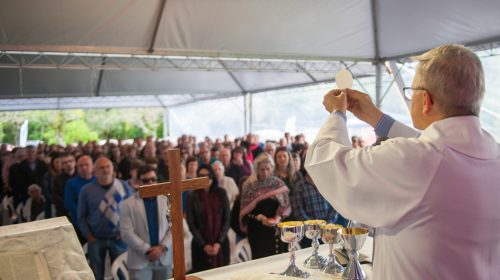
(313, 232)
(292, 232)
(331, 235)
(354, 238)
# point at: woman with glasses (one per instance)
(208, 217)
(149, 248)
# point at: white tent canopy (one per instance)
(81, 54)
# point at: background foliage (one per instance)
(71, 126)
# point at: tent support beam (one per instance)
(378, 85)
(376, 47)
(399, 82)
(306, 72)
(99, 79)
(394, 78)
(118, 62)
(487, 43)
(166, 123)
(250, 113)
(102, 51)
(354, 76)
(301, 85)
(21, 91)
(166, 118)
(374, 8)
(161, 11)
(233, 77)
(245, 113)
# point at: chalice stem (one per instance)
(315, 244)
(291, 248)
(331, 255)
(355, 256)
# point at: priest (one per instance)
(432, 194)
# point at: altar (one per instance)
(262, 268)
(45, 249)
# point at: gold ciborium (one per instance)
(354, 238)
(331, 235)
(313, 232)
(291, 233)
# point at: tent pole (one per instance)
(99, 80)
(378, 62)
(378, 84)
(21, 90)
(245, 113)
(250, 115)
(399, 82)
(166, 123)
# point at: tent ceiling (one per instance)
(217, 47)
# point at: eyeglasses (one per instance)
(408, 92)
(149, 180)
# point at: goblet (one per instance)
(354, 238)
(292, 232)
(313, 232)
(331, 235)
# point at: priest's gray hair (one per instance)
(453, 75)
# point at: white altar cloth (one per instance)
(45, 249)
(261, 268)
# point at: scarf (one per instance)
(211, 205)
(255, 190)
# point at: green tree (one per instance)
(52, 126)
(69, 126)
(2, 134)
(78, 130)
(11, 123)
(123, 123)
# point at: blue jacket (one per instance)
(71, 192)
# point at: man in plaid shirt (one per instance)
(308, 204)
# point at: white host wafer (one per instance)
(343, 79)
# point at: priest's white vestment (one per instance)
(432, 199)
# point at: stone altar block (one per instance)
(46, 249)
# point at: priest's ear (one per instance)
(428, 105)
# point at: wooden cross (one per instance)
(175, 188)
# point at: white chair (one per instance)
(188, 237)
(19, 212)
(242, 251)
(120, 264)
(9, 214)
(231, 235)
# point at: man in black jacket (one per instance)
(27, 172)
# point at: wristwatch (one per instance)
(165, 249)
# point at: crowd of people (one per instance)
(254, 186)
(414, 192)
